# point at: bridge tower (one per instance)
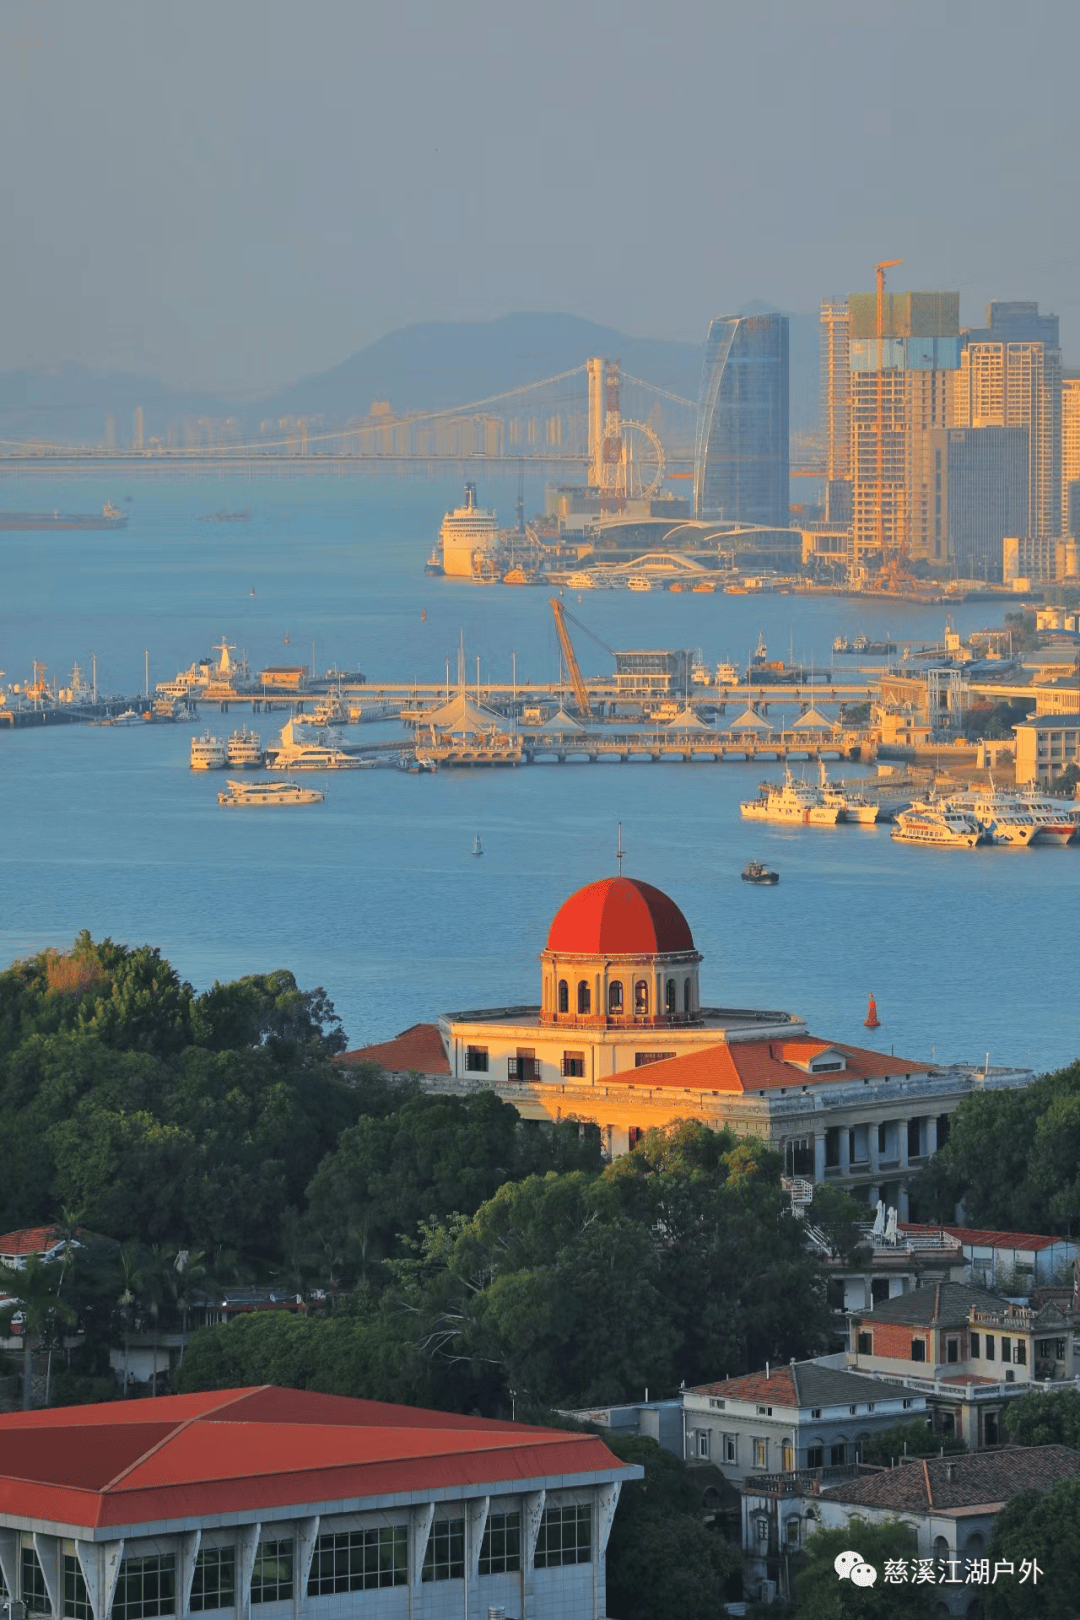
(595, 369)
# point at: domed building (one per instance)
(622, 1037)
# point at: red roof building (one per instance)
(417, 1050)
(287, 1497)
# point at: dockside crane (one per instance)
(577, 680)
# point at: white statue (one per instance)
(879, 1219)
(890, 1227)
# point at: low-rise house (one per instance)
(1012, 1262)
(950, 1503)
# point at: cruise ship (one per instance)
(304, 747)
(244, 793)
(208, 753)
(244, 750)
(925, 822)
(795, 802)
(468, 540)
(1004, 817)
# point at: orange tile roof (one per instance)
(776, 1389)
(1002, 1240)
(419, 1047)
(744, 1066)
(243, 1450)
(31, 1240)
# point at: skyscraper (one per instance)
(1070, 445)
(1010, 376)
(836, 409)
(741, 460)
(980, 495)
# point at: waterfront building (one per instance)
(1029, 560)
(1010, 376)
(1070, 450)
(979, 494)
(901, 389)
(622, 1037)
(1046, 744)
(312, 1505)
(741, 458)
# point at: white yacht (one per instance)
(304, 747)
(244, 749)
(797, 802)
(469, 537)
(926, 822)
(243, 793)
(638, 582)
(1056, 820)
(852, 806)
(208, 753)
(128, 718)
(1005, 818)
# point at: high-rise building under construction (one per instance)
(836, 409)
(1070, 450)
(1010, 376)
(741, 460)
(901, 378)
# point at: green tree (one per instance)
(820, 1594)
(1044, 1418)
(663, 1561)
(914, 1439)
(33, 1290)
(1044, 1528)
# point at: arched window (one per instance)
(941, 1549)
(584, 996)
(669, 996)
(614, 996)
(641, 997)
(564, 996)
(686, 1007)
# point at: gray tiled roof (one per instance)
(804, 1383)
(942, 1304)
(972, 1480)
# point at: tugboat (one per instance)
(756, 872)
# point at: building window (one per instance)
(500, 1550)
(476, 1059)
(832, 1147)
(908, 1403)
(914, 1138)
(989, 1347)
(76, 1597)
(717, 1403)
(524, 1066)
(445, 1556)
(764, 1411)
(975, 1351)
(357, 1561)
(573, 1065)
(815, 1411)
(35, 1594)
(702, 1448)
(686, 996)
(990, 1429)
(642, 1058)
(882, 1140)
(788, 1457)
(952, 1350)
(762, 1529)
(564, 996)
(815, 1456)
(614, 997)
(272, 1576)
(1006, 1349)
(214, 1583)
(731, 1448)
(147, 1587)
(641, 998)
(838, 1454)
(866, 1344)
(761, 1453)
(792, 1530)
(918, 1349)
(1020, 1353)
(565, 1537)
(584, 998)
(670, 997)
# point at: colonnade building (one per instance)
(624, 1038)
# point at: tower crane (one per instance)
(577, 680)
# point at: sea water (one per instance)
(375, 894)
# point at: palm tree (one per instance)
(33, 1292)
(132, 1271)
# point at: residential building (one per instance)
(901, 389)
(836, 410)
(920, 1255)
(1046, 744)
(1028, 561)
(314, 1505)
(950, 1502)
(1070, 449)
(1010, 376)
(47, 1242)
(741, 459)
(1014, 1262)
(980, 495)
(623, 1038)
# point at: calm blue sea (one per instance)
(375, 894)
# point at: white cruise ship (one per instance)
(1005, 818)
(795, 802)
(925, 822)
(208, 753)
(244, 793)
(468, 539)
(244, 750)
(304, 747)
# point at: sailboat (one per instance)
(478, 848)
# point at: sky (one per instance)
(230, 196)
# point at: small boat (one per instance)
(243, 793)
(423, 614)
(478, 848)
(638, 582)
(128, 718)
(755, 872)
(706, 586)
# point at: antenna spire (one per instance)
(620, 852)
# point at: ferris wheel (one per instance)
(638, 471)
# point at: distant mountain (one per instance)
(443, 363)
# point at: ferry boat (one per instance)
(433, 566)
(581, 582)
(638, 582)
(208, 753)
(854, 807)
(704, 587)
(242, 793)
(313, 757)
(244, 749)
(756, 872)
(727, 674)
(925, 822)
(1002, 816)
(794, 802)
(1056, 821)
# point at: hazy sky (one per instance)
(232, 193)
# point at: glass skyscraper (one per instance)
(741, 460)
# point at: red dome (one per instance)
(619, 917)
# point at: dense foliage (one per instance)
(821, 1595)
(913, 1439)
(1012, 1158)
(1041, 1528)
(1044, 1418)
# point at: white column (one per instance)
(305, 1537)
(247, 1546)
(532, 1512)
(48, 1553)
(100, 1564)
(423, 1517)
(819, 1155)
(187, 1553)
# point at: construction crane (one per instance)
(577, 681)
(879, 517)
